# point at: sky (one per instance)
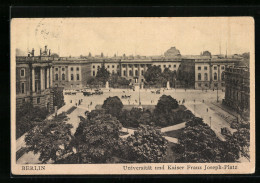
(133, 36)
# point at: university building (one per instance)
(36, 75)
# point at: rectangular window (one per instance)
(174, 66)
(71, 77)
(38, 100)
(222, 67)
(215, 67)
(124, 73)
(63, 69)
(199, 68)
(93, 73)
(205, 68)
(77, 76)
(77, 68)
(22, 74)
(23, 89)
(56, 69)
(113, 66)
(93, 67)
(71, 68)
(164, 66)
(169, 66)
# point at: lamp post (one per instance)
(217, 93)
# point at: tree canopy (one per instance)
(199, 144)
(113, 106)
(51, 139)
(97, 139)
(146, 145)
(103, 74)
(165, 105)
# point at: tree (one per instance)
(165, 105)
(153, 74)
(103, 74)
(51, 139)
(27, 117)
(58, 98)
(97, 139)
(199, 144)
(146, 145)
(117, 81)
(113, 106)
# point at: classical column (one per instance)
(139, 73)
(42, 80)
(48, 77)
(51, 78)
(218, 72)
(133, 69)
(126, 70)
(33, 80)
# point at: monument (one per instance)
(107, 85)
(168, 85)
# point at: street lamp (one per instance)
(217, 92)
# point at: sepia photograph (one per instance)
(132, 95)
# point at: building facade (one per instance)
(210, 73)
(237, 94)
(34, 81)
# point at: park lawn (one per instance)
(174, 133)
(170, 155)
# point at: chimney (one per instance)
(45, 49)
(40, 51)
(49, 52)
(33, 52)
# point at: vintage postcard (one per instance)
(132, 95)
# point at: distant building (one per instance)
(237, 94)
(206, 53)
(172, 52)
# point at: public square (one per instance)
(202, 103)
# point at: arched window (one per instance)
(199, 76)
(223, 76)
(206, 76)
(136, 72)
(130, 73)
(63, 76)
(56, 77)
(215, 76)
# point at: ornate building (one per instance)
(237, 94)
(34, 80)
